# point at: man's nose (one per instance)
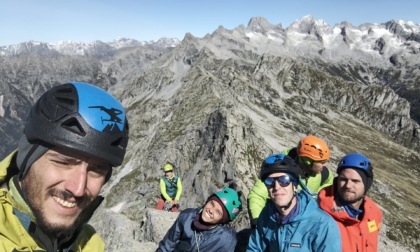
(348, 184)
(276, 185)
(77, 181)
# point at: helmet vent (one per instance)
(43, 111)
(74, 126)
(61, 113)
(64, 89)
(65, 100)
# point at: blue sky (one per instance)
(88, 20)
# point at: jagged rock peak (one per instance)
(221, 29)
(308, 25)
(126, 42)
(168, 42)
(403, 29)
(401, 25)
(345, 24)
(394, 27)
(259, 24)
(188, 38)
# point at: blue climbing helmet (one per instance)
(359, 162)
(280, 163)
(82, 118)
(230, 200)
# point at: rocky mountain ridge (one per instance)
(95, 48)
(216, 106)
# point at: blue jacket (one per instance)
(310, 230)
(182, 237)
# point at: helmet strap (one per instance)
(290, 202)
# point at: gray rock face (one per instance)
(123, 234)
(216, 106)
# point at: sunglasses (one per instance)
(283, 180)
(309, 162)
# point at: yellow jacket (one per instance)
(16, 219)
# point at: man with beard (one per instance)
(291, 220)
(49, 187)
(356, 214)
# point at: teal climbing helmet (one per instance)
(230, 200)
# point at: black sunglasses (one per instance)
(283, 180)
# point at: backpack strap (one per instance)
(324, 174)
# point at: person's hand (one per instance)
(174, 202)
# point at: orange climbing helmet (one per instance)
(314, 148)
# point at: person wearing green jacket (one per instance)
(311, 155)
(49, 187)
(170, 190)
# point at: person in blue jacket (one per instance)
(291, 220)
(204, 228)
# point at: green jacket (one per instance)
(258, 196)
(18, 228)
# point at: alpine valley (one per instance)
(216, 106)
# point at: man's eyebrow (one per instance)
(62, 157)
(69, 159)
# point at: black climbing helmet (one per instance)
(279, 163)
(82, 118)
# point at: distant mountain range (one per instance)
(216, 106)
(95, 48)
(393, 38)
